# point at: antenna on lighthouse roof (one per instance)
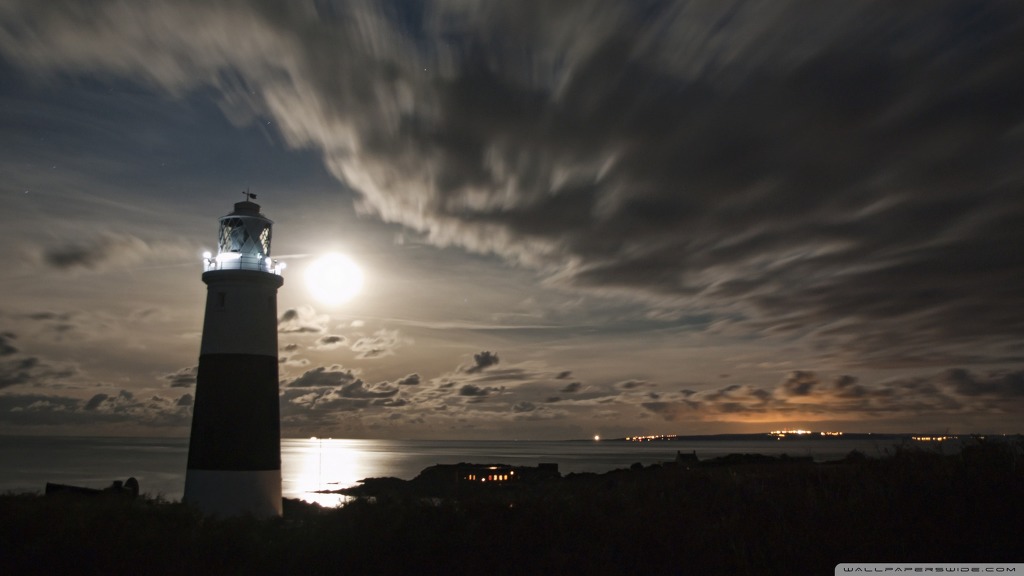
(248, 195)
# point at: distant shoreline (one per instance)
(663, 437)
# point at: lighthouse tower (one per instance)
(234, 454)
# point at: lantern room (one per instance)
(243, 242)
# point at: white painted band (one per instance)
(241, 313)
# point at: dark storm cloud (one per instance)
(798, 165)
(482, 361)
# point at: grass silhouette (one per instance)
(739, 516)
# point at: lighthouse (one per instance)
(234, 452)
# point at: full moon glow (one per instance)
(334, 278)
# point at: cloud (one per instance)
(302, 320)
(482, 361)
(409, 380)
(108, 250)
(58, 323)
(520, 392)
(184, 378)
(330, 342)
(359, 389)
(477, 391)
(37, 408)
(95, 401)
(805, 395)
(382, 343)
(572, 387)
(521, 407)
(1001, 384)
(799, 383)
(323, 406)
(33, 370)
(6, 348)
(120, 407)
(801, 169)
(321, 376)
(96, 252)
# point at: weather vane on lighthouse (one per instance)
(234, 454)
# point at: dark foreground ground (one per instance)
(759, 516)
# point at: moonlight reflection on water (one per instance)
(309, 465)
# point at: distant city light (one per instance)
(596, 438)
(800, 432)
(933, 438)
(650, 437)
(783, 433)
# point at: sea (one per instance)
(312, 465)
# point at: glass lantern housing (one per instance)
(243, 242)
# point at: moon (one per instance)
(334, 278)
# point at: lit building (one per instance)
(234, 454)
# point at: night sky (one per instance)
(574, 218)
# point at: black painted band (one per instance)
(236, 418)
